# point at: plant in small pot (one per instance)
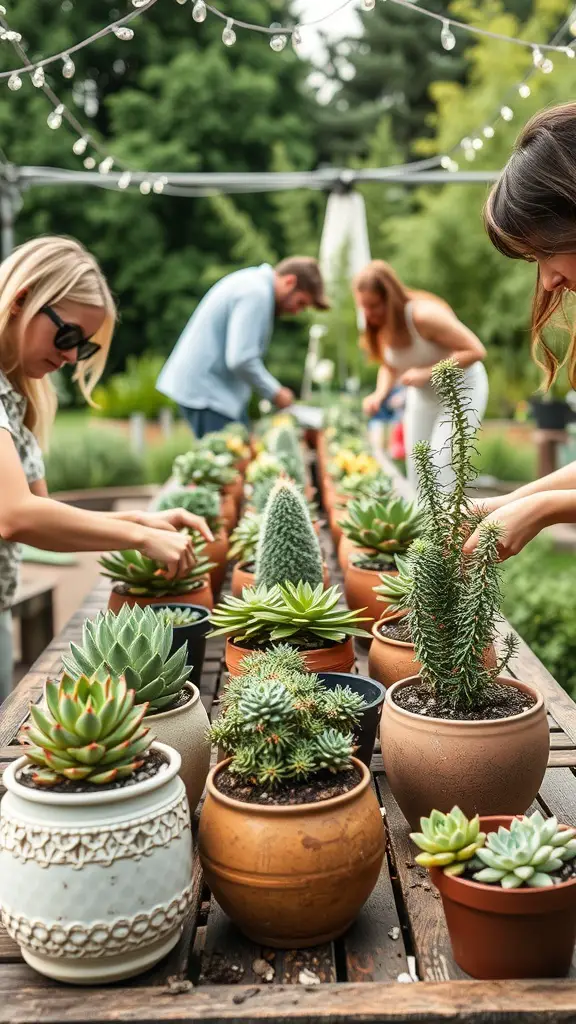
(205, 502)
(229, 451)
(141, 580)
(380, 530)
(459, 732)
(291, 774)
(136, 644)
(190, 624)
(200, 468)
(95, 839)
(508, 888)
(243, 544)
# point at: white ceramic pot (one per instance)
(94, 887)
(186, 729)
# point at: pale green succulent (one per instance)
(244, 539)
(396, 590)
(528, 853)
(177, 617)
(146, 577)
(448, 840)
(89, 730)
(333, 750)
(134, 644)
(384, 527)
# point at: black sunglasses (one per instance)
(69, 336)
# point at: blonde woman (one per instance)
(408, 333)
(56, 309)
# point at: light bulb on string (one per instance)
(229, 35)
(139, 3)
(38, 77)
(573, 28)
(547, 66)
(124, 179)
(477, 143)
(368, 5)
(123, 32)
(466, 143)
(524, 90)
(569, 51)
(80, 146)
(106, 165)
(2, 9)
(445, 162)
(68, 67)
(506, 113)
(537, 56)
(277, 43)
(54, 119)
(447, 37)
(145, 188)
(470, 154)
(14, 83)
(454, 166)
(181, 2)
(199, 11)
(159, 186)
(488, 132)
(89, 163)
(12, 37)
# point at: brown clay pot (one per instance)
(241, 579)
(201, 595)
(236, 489)
(347, 547)
(358, 589)
(339, 658)
(390, 660)
(508, 933)
(335, 515)
(485, 767)
(292, 876)
(217, 551)
(228, 511)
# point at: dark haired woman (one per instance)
(408, 333)
(531, 215)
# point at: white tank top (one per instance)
(419, 352)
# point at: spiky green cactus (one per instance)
(285, 446)
(288, 548)
(449, 841)
(528, 853)
(134, 644)
(200, 501)
(89, 730)
(145, 577)
(278, 721)
(383, 527)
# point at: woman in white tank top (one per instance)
(408, 333)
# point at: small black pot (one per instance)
(193, 636)
(554, 415)
(373, 694)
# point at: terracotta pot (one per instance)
(236, 490)
(228, 511)
(484, 767)
(339, 658)
(201, 595)
(347, 547)
(358, 589)
(390, 660)
(217, 551)
(509, 933)
(292, 876)
(241, 579)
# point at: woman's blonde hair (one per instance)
(531, 212)
(379, 277)
(43, 272)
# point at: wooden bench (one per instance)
(395, 964)
(34, 608)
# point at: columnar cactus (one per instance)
(285, 446)
(288, 548)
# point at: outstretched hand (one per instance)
(520, 522)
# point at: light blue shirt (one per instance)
(217, 361)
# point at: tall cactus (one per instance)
(288, 548)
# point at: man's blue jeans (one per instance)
(205, 421)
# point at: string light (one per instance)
(447, 37)
(506, 113)
(524, 90)
(368, 5)
(296, 38)
(199, 11)
(89, 163)
(145, 188)
(68, 67)
(277, 43)
(54, 119)
(229, 35)
(14, 83)
(537, 56)
(38, 77)
(106, 165)
(488, 132)
(124, 33)
(80, 146)
(547, 66)
(140, 3)
(124, 179)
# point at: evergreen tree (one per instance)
(288, 548)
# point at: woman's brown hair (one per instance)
(531, 212)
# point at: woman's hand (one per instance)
(169, 547)
(520, 521)
(372, 403)
(170, 519)
(417, 377)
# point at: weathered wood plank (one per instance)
(374, 946)
(468, 1002)
(227, 957)
(9, 950)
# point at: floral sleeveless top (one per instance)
(12, 412)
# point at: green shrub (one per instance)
(133, 391)
(91, 458)
(503, 460)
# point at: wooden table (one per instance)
(395, 964)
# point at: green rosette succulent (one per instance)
(375, 486)
(383, 527)
(396, 590)
(202, 467)
(145, 577)
(135, 644)
(89, 730)
(528, 853)
(449, 841)
(177, 617)
(200, 501)
(244, 539)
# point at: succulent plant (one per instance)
(291, 612)
(146, 577)
(203, 468)
(367, 485)
(200, 501)
(263, 467)
(276, 721)
(244, 539)
(528, 853)
(237, 431)
(448, 841)
(347, 462)
(288, 548)
(395, 590)
(285, 446)
(89, 730)
(135, 644)
(177, 617)
(217, 443)
(384, 527)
